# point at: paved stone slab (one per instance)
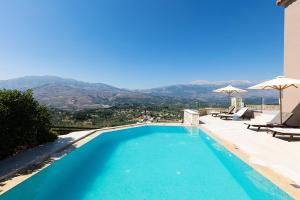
(263, 149)
(38, 154)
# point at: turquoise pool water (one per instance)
(148, 162)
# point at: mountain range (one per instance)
(72, 94)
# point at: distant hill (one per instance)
(72, 94)
(29, 82)
(202, 90)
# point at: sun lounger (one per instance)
(289, 120)
(240, 114)
(275, 122)
(229, 111)
(285, 131)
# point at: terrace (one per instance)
(276, 158)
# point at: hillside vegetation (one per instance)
(24, 123)
(73, 95)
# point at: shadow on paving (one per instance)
(72, 176)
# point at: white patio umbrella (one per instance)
(229, 90)
(280, 83)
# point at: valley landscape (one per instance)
(78, 104)
(73, 95)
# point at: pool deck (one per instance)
(275, 158)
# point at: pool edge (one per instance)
(277, 179)
(19, 176)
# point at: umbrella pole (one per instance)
(280, 105)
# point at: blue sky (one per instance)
(142, 43)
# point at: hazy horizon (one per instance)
(193, 82)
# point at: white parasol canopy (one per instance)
(279, 83)
(229, 90)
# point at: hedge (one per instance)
(24, 123)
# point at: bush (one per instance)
(24, 123)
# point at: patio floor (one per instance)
(260, 147)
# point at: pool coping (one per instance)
(279, 180)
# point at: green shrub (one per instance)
(24, 123)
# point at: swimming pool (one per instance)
(148, 162)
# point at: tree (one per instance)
(24, 123)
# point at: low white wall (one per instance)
(191, 117)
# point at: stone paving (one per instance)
(38, 154)
(277, 154)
